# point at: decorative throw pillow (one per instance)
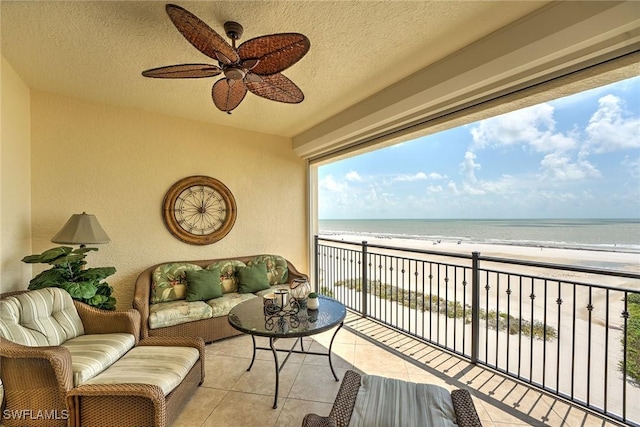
(228, 278)
(277, 268)
(203, 285)
(252, 278)
(169, 283)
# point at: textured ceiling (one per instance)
(96, 50)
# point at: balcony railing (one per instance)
(568, 330)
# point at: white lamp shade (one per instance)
(81, 229)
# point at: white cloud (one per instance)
(611, 128)
(330, 184)
(560, 167)
(633, 166)
(472, 185)
(558, 197)
(435, 175)
(353, 176)
(469, 166)
(435, 189)
(415, 177)
(533, 126)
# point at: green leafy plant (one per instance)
(68, 273)
(633, 340)
(312, 295)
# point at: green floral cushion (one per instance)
(277, 269)
(203, 285)
(272, 289)
(177, 312)
(169, 282)
(252, 278)
(222, 306)
(228, 269)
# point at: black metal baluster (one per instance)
(573, 343)
(486, 328)
(455, 306)
(533, 297)
(422, 307)
(606, 350)
(464, 311)
(446, 305)
(520, 316)
(430, 301)
(439, 302)
(590, 310)
(417, 292)
(559, 303)
(625, 316)
(497, 317)
(544, 335)
(475, 307)
(508, 319)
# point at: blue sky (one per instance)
(574, 157)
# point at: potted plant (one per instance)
(68, 272)
(312, 301)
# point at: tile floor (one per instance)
(231, 396)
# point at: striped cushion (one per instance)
(40, 318)
(165, 367)
(92, 354)
(12, 330)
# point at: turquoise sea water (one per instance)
(597, 234)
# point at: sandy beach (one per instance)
(577, 362)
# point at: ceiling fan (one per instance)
(255, 65)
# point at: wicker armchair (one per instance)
(345, 401)
(39, 386)
(44, 390)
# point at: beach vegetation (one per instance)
(633, 340)
(325, 290)
(452, 309)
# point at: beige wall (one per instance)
(15, 181)
(118, 163)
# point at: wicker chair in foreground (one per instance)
(65, 363)
(344, 404)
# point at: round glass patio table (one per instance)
(249, 317)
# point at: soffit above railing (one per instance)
(557, 40)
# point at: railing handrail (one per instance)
(511, 261)
(460, 306)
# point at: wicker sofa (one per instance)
(345, 403)
(160, 295)
(63, 362)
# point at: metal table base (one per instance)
(274, 350)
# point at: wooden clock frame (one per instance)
(199, 210)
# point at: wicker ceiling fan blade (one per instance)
(199, 34)
(276, 87)
(227, 94)
(183, 71)
(275, 52)
(254, 78)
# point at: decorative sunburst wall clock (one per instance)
(199, 210)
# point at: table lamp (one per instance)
(81, 229)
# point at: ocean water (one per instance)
(622, 235)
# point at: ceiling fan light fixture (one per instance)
(234, 73)
(254, 66)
